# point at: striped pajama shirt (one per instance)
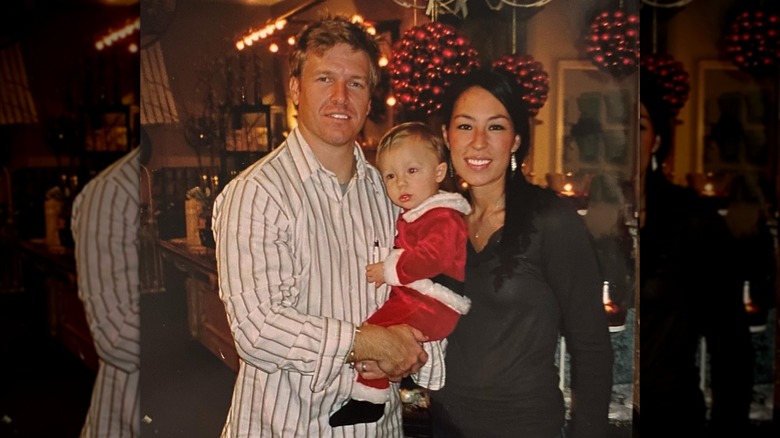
(291, 256)
(104, 222)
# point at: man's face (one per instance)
(332, 96)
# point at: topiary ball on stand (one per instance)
(612, 42)
(425, 61)
(671, 77)
(531, 76)
(752, 42)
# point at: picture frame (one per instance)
(596, 120)
(107, 128)
(732, 121)
(249, 129)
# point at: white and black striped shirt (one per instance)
(104, 222)
(291, 256)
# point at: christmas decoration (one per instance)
(613, 42)
(455, 7)
(667, 4)
(752, 41)
(426, 59)
(378, 111)
(671, 77)
(530, 75)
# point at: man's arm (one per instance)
(396, 349)
(255, 262)
(257, 284)
(105, 223)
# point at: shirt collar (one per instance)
(306, 163)
(442, 199)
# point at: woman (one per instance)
(688, 289)
(531, 274)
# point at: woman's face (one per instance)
(647, 139)
(481, 138)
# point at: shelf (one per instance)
(248, 137)
(106, 128)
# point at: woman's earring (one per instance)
(450, 169)
(513, 163)
(653, 163)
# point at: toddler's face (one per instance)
(411, 172)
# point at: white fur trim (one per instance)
(369, 394)
(391, 263)
(444, 199)
(456, 302)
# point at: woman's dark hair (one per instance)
(521, 196)
(660, 112)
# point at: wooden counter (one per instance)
(206, 316)
(55, 269)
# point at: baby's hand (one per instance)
(375, 273)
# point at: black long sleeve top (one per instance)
(502, 379)
(688, 289)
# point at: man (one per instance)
(294, 233)
(104, 222)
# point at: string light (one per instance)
(266, 33)
(255, 35)
(116, 35)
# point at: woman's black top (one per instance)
(502, 378)
(689, 290)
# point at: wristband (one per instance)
(351, 355)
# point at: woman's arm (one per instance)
(571, 268)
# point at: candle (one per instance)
(568, 190)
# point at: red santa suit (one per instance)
(429, 256)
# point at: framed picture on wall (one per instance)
(596, 120)
(596, 138)
(733, 111)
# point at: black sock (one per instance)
(357, 411)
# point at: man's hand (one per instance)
(369, 370)
(395, 349)
(375, 273)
